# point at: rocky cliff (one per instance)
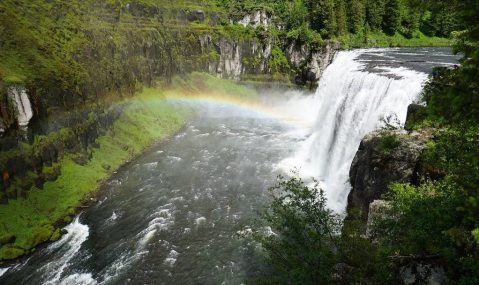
(105, 52)
(384, 157)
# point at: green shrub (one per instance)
(302, 247)
(387, 143)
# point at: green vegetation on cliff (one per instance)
(432, 226)
(358, 23)
(145, 119)
(441, 215)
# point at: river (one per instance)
(171, 216)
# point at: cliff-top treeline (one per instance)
(356, 22)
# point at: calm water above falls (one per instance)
(171, 215)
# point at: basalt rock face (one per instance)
(25, 166)
(256, 19)
(310, 62)
(120, 48)
(383, 158)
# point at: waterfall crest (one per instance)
(355, 96)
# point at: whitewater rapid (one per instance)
(355, 96)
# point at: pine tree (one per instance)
(356, 15)
(341, 17)
(321, 16)
(392, 17)
(375, 10)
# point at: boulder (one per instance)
(383, 157)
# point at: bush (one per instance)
(302, 242)
(387, 143)
(302, 246)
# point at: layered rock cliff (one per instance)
(384, 157)
(106, 53)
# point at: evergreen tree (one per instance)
(321, 16)
(375, 10)
(356, 15)
(340, 14)
(392, 17)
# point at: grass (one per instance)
(388, 142)
(379, 39)
(146, 119)
(198, 82)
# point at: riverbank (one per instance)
(146, 118)
(381, 40)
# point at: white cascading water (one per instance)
(22, 104)
(68, 246)
(352, 102)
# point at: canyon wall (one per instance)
(62, 105)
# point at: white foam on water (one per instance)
(199, 221)
(78, 279)
(151, 165)
(172, 257)
(112, 218)
(173, 158)
(351, 102)
(68, 246)
(3, 270)
(161, 220)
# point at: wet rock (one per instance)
(383, 158)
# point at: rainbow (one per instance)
(249, 104)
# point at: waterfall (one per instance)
(355, 96)
(23, 107)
